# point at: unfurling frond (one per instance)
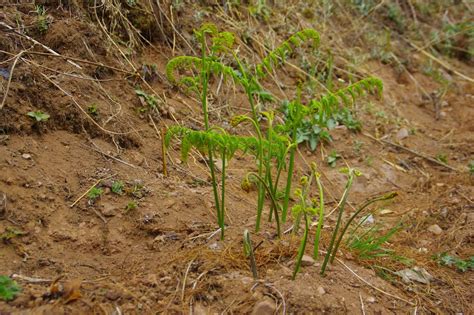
(190, 62)
(282, 53)
(218, 142)
(347, 96)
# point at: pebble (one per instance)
(370, 299)
(435, 229)
(265, 307)
(307, 261)
(26, 156)
(321, 290)
(402, 134)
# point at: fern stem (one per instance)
(222, 210)
(341, 206)
(317, 237)
(272, 198)
(302, 247)
(289, 180)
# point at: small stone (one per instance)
(444, 212)
(385, 211)
(321, 290)
(109, 211)
(370, 299)
(26, 156)
(307, 261)
(435, 229)
(402, 134)
(265, 307)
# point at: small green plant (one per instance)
(303, 208)
(443, 158)
(38, 116)
(369, 243)
(471, 167)
(332, 250)
(150, 100)
(131, 205)
(42, 19)
(9, 289)
(92, 110)
(249, 253)
(452, 261)
(332, 158)
(10, 233)
(117, 187)
(94, 193)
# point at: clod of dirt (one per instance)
(435, 229)
(199, 309)
(402, 134)
(307, 261)
(265, 307)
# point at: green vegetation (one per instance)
(9, 289)
(38, 116)
(117, 187)
(94, 193)
(131, 205)
(42, 22)
(452, 261)
(274, 145)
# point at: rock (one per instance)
(26, 156)
(444, 212)
(370, 299)
(108, 211)
(265, 307)
(402, 134)
(385, 211)
(417, 274)
(435, 229)
(307, 261)
(321, 290)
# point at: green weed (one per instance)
(471, 167)
(9, 289)
(94, 193)
(38, 116)
(332, 158)
(42, 22)
(131, 205)
(117, 187)
(453, 261)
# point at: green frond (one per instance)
(190, 62)
(347, 95)
(281, 53)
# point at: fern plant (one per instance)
(216, 141)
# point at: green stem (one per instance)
(289, 180)
(365, 205)
(222, 211)
(272, 198)
(341, 206)
(317, 237)
(302, 247)
(204, 82)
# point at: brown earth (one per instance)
(74, 256)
